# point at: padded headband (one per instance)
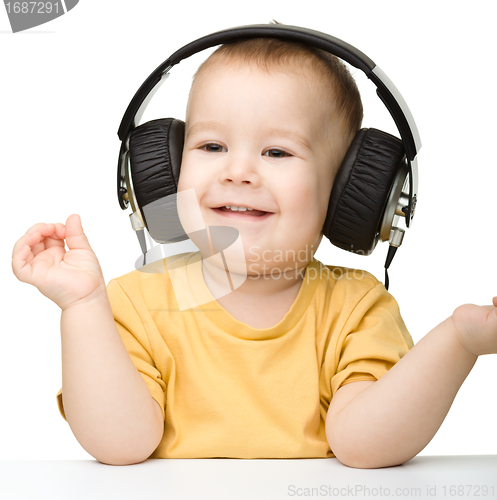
(385, 89)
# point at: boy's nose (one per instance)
(240, 171)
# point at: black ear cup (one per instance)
(360, 190)
(155, 150)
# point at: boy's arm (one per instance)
(106, 401)
(388, 422)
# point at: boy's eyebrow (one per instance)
(282, 132)
(198, 127)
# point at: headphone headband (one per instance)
(292, 33)
(386, 90)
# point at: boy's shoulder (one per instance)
(347, 276)
(156, 269)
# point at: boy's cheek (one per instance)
(185, 179)
(190, 173)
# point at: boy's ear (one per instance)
(155, 151)
(361, 189)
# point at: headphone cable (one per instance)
(396, 238)
(390, 256)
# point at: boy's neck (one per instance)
(262, 301)
(258, 285)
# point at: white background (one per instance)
(65, 86)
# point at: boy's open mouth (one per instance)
(241, 213)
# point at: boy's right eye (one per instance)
(212, 147)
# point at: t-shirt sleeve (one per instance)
(134, 336)
(373, 339)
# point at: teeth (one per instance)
(238, 209)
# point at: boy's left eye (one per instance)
(276, 153)
(212, 147)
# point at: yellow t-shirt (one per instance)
(229, 390)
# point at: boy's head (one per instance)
(268, 123)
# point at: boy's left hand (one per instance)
(476, 327)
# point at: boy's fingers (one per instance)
(75, 237)
(54, 235)
(20, 254)
(29, 240)
(41, 226)
(59, 230)
(41, 232)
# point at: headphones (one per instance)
(368, 197)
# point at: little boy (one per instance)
(303, 359)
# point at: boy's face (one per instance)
(263, 141)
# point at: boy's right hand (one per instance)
(67, 278)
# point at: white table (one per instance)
(458, 477)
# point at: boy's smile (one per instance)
(261, 141)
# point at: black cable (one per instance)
(390, 256)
